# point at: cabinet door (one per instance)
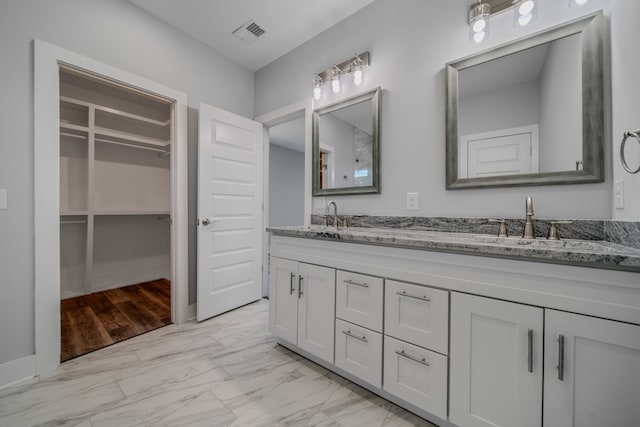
(316, 310)
(417, 314)
(283, 296)
(416, 375)
(359, 352)
(495, 363)
(597, 381)
(359, 299)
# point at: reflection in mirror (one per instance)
(346, 146)
(529, 112)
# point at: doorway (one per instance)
(47, 185)
(115, 206)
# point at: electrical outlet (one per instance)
(413, 202)
(618, 194)
(3, 199)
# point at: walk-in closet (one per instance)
(115, 204)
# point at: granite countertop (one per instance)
(586, 253)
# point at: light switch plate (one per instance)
(3, 199)
(618, 194)
(413, 202)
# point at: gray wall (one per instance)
(114, 32)
(561, 106)
(286, 186)
(338, 134)
(410, 41)
(625, 34)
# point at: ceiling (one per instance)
(289, 134)
(288, 23)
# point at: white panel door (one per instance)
(597, 381)
(229, 211)
(316, 310)
(503, 152)
(283, 298)
(495, 363)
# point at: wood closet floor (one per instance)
(94, 321)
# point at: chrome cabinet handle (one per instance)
(561, 357)
(530, 349)
(351, 282)
(352, 335)
(300, 293)
(405, 294)
(414, 358)
(291, 287)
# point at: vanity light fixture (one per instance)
(353, 66)
(317, 87)
(356, 70)
(336, 75)
(479, 22)
(525, 12)
(577, 3)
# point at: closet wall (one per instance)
(115, 197)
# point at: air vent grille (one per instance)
(249, 31)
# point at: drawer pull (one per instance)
(405, 294)
(530, 350)
(351, 334)
(291, 287)
(414, 358)
(351, 282)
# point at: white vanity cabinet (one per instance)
(496, 363)
(303, 305)
(465, 340)
(592, 372)
(591, 367)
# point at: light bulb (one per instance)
(357, 77)
(317, 93)
(479, 25)
(577, 3)
(526, 7)
(335, 84)
(525, 19)
(479, 36)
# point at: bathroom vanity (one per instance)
(465, 329)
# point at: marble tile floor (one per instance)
(227, 371)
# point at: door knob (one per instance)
(207, 221)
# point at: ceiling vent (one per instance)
(249, 31)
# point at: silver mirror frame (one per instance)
(593, 107)
(374, 96)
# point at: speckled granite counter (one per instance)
(587, 253)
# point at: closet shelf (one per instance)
(115, 111)
(130, 138)
(116, 213)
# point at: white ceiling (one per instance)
(288, 23)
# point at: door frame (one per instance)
(275, 117)
(47, 59)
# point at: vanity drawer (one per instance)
(416, 375)
(417, 314)
(359, 299)
(359, 352)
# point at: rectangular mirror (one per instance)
(346, 146)
(530, 112)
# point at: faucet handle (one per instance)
(502, 230)
(553, 229)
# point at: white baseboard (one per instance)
(18, 370)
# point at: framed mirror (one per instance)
(530, 112)
(346, 146)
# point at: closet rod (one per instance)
(163, 152)
(73, 135)
(79, 221)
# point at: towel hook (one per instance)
(636, 135)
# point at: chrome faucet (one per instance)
(528, 232)
(335, 213)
